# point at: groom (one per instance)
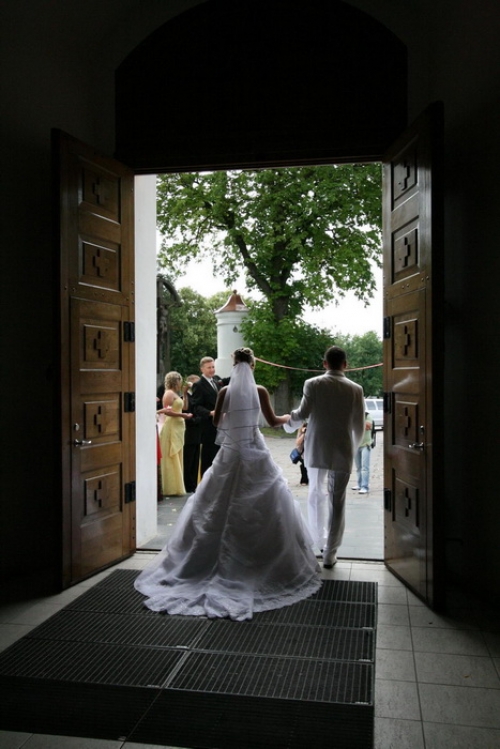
(335, 409)
(205, 393)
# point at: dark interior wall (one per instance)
(466, 69)
(255, 82)
(57, 71)
(46, 83)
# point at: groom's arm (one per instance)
(300, 414)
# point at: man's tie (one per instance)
(213, 385)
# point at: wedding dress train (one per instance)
(240, 544)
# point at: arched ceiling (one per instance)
(253, 82)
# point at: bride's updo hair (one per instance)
(244, 355)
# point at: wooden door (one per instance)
(413, 357)
(96, 228)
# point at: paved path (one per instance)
(364, 530)
(363, 538)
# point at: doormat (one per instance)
(107, 667)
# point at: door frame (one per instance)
(145, 231)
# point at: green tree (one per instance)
(194, 329)
(364, 351)
(294, 341)
(301, 236)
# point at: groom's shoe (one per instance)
(329, 564)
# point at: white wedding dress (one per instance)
(240, 544)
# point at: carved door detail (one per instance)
(413, 357)
(97, 373)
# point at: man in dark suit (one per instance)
(205, 393)
(192, 440)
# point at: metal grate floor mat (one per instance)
(107, 667)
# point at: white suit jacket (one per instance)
(335, 409)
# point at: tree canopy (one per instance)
(300, 235)
(292, 343)
(193, 334)
(193, 330)
(304, 345)
(364, 351)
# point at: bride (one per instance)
(240, 544)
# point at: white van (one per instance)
(375, 407)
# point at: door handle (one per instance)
(79, 443)
(416, 446)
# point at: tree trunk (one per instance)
(282, 398)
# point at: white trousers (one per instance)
(326, 509)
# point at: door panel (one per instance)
(97, 377)
(405, 465)
(413, 357)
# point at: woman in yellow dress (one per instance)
(172, 435)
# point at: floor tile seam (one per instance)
(490, 729)
(453, 721)
(454, 657)
(383, 624)
(368, 564)
(17, 624)
(385, 680)
(30, 736)
(393, 720)
(399, 680)
(419, 701)
(458, 627)
(490, 648)
(423, 681)
(28, 623)
(462, 687)
(450, 638)
(477, 633)
(365, 579)
(389, 607)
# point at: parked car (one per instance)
(375, 407)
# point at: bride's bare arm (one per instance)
(267, 409)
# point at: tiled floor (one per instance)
(437, 678)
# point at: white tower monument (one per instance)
(229, 335)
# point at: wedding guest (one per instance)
(192, 441)
(172, 435)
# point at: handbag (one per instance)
(295, 455)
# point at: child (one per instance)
(299, 443)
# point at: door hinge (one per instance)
(388, 500)
(129, 402)
(129, 332)
(387, 403)
(129, 492)
(387, 327)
